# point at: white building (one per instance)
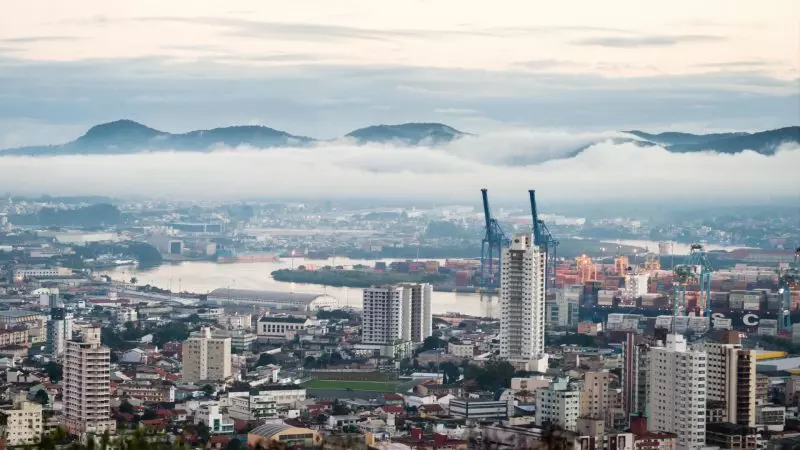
(464, 349)
(236, 321)
(22, 424)
(397, 313)
(677, 380)
(49, 272)
(282, 327)
(210, 416)
(206, 357)
(87, 388)
(558, 404)
(732, 380)
(636, 285)
(563, 310)
(125, 315)
(522, 299)
(252, 407)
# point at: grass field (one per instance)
(372, 386)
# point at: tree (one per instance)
(433, 342)
(266, 359)
(126, 407)
(234, 444)
(339, 409)
(42, 397)
(208, 390)
(54, 371)
(451, 372)
(134, 280)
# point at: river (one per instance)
(203, 276)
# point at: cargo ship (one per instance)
(229, 257)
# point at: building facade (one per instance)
(86, 392)
(558, 404)
(397, 313)
(205, 357)
(281, 327)
(522, 299)
(677, 392)
(21, 424)
(732, 380)
(634, 375)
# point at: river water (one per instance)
(202, 277)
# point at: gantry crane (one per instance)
(787, 280)
(545, 241)
(683, 273)
(701, 271)
(491, 247)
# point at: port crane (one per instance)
(701, 271)
(545, 241)
(787, 279)
(491, 247)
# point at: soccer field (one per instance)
(372, 386)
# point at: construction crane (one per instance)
(787, 279)
(491, 247)
(545, 241)
(701, 271)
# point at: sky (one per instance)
(323, 68)
(533, 80)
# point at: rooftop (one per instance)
(283, 319)
(266, 296)
(17, 313)
(270, 429)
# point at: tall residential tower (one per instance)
(87, 387)
(205, 357)
(677, 392)
(522, 299)
(396, 316)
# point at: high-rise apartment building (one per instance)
(595, 402)
(732, 379)
(397, 313)
(677, 392)
(421, 319)
(59, 327)
(87, 388)
(206, 357)
(522, 299)
(634, 375)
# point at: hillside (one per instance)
(409, 133)
(764, 142)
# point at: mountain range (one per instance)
(127, 136)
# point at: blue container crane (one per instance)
(545, 241)
(491, 247)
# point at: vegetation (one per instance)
(369, 386)
(353, 278)
(492, 376)
(93, 216)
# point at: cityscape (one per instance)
(416, 225)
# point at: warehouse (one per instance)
(272, 299)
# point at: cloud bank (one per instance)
(507, 163)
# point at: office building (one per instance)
(397, 313)
(87, 391)
(522, 299)
(677, 392)
(563, 309)
(732, 379)
(558, 404)
(205, 357)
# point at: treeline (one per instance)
(92, 216)
(353, 278)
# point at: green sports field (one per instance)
(371, 386)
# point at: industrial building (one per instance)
(272, 299)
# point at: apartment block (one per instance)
(205, 357)
(86, 392)
(558, 404)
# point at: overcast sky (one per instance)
(323, 67)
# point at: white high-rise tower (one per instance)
(677, 392)
(396, 316)
(522, 299)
